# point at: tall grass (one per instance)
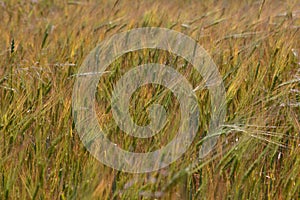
(255, 45)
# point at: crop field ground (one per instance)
(256, 48)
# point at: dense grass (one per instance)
(255, 45)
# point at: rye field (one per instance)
(255, 46)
